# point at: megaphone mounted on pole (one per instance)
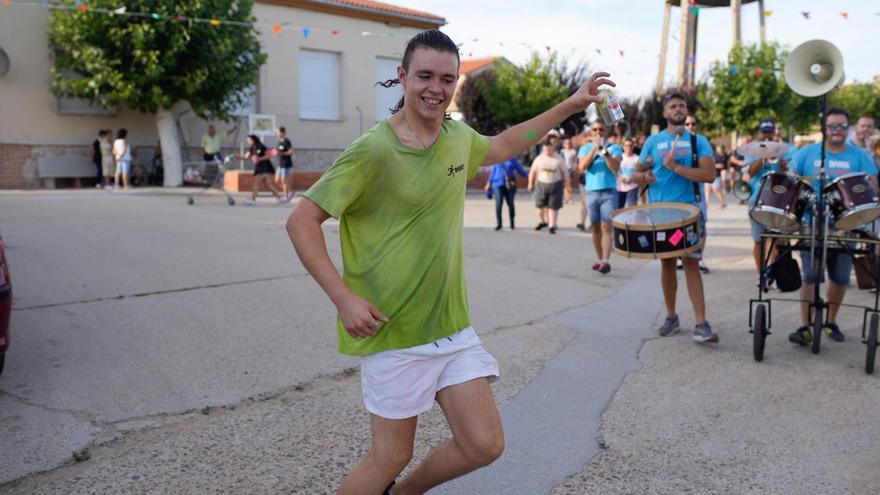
(814, 68)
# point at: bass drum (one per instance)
(656, 231)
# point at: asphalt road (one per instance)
(184, 349)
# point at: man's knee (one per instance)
(483, 449)
(395, 458)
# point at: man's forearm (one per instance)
(523, 136)
(308, 240)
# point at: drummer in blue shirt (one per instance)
(840, 159)
(666, 166)
(757, 168)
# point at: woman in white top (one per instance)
(627, 190)
(122, 153)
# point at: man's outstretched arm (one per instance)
(523, 136)
(304, 228)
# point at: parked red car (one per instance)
(5, 305)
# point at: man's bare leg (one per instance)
(477, 438)
(835, 298)
(390, 452)
(606, 241)
(553, 214)
(669, 282)
(596, 231)
(695, 287)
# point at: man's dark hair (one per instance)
(282, 129)
(433, 39)
(865, 116)
(672, 95)
(121, 134)
(837, 111)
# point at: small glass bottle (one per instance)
(609, 108)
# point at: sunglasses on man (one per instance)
(837, 127)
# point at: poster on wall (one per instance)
(261, 125)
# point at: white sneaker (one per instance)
(250, 202)
(99, 186)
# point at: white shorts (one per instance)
(402, 383)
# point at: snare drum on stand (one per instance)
(656, 231)
(852, 201)
(781, 202)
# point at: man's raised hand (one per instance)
(589, 91)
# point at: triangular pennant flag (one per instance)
(285, 24)
(83, 8)
(692, 59)
(334, 32)
(768, 13)
(695, 10)
(547, 47)
(758, 71)
(215, 22)
(733, 69)
(845, 15)
(306, 32)
(599, 51)
(5, 2)
(182, 18)
(620, 52)
(806, 14)
(276, 29)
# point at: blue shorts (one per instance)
(600, 205)
(839, 266)
(757, 230)
(283, 171)
(123, 167)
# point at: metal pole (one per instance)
(761, 22)
(692, 57)
(684, 43)
(736, 6)
(664, 46)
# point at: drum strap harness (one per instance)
(695, 164)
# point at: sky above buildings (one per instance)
(623, 36)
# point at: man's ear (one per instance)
(401, 75)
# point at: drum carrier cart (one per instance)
(819, 241)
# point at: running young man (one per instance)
(398, 192)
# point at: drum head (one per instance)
(776, 220)
(857, 217)
(653, 216)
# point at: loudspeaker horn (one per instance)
(814, 68)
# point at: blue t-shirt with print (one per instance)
(599, 176)
(850, 160)
(755, 180)
(671, 187)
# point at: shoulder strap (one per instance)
(695, 164)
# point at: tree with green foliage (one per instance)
(152, 63)
(520, 93)
(493, 100)
(471, 100)
(859, 99)
(749, 87)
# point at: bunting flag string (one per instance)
(277, 29)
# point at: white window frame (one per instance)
(315, 87)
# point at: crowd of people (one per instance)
(401, 298)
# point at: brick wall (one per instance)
(14, 159)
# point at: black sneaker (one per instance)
(605, 267)
(833, 331)
(581, 227)
(552, 230)
(801, 336)
(540, 226)
(498, 227)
